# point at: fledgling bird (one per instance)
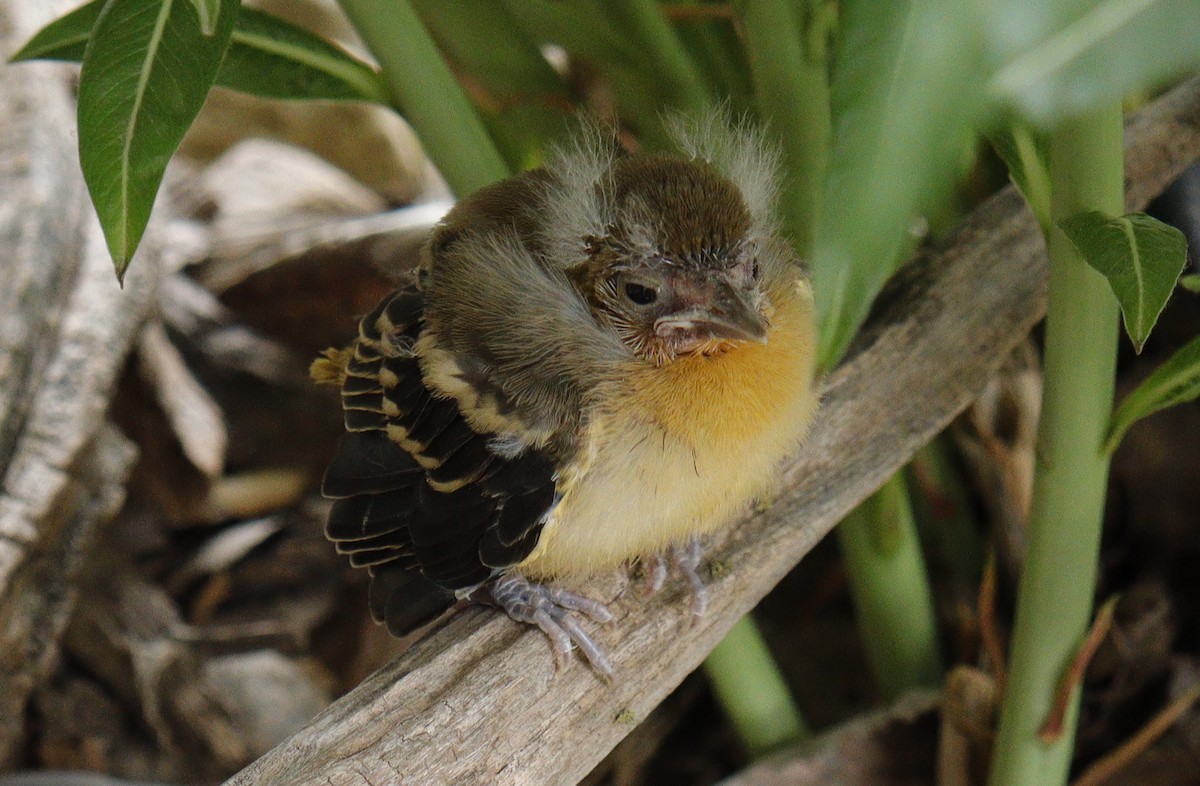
(600, 361)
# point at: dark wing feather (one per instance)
(403, 599)
(421, 499)
(369, 516)
(519, 511)
(368, 462)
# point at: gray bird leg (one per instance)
(549, 608)
(686, 559)
(656, 574)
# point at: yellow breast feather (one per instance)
(683, 449)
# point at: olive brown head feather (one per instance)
(601, 361)
(676, 272)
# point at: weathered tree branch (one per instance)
(479, 701)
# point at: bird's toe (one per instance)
(551, 609)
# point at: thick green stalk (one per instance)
(891, 592)
(788, 63)
(752, 691)
(423, 89)
(1058, 579)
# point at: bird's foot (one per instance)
(550, 609)
(686, 559)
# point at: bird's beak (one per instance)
(727, 315)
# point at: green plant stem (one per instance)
(423, 89)
(485, 37)
(752, 691)
(945, 519)
(788, 64)
(521, 98)
(891, 590)
(587, 30)
(1058, 579)
(715, 48)
(661, 53)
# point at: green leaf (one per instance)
(146, 72)
(1025, 153)
(207, 11)
(1175, 382)
(267, 57)
(587, 30)
(1140, 256)
(63, 39)
(1063, 58)
(907, 89)
(273, 58)
(525, 99)
(1191, 282)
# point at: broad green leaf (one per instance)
(273, 58)
(1140, 256)
(63, 39)
(207, 11)
(267, 57)
(146, 71)
(1175, 382)
(907, 89)
(1060, 58)
(1191, 282)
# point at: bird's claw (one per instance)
(549, 608)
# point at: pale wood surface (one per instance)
(479, 701)
(65, 329)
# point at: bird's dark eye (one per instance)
(754, 270)
(642, 296)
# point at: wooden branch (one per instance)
(479, 701)
(65, 328)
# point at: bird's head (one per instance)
(675, 272)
